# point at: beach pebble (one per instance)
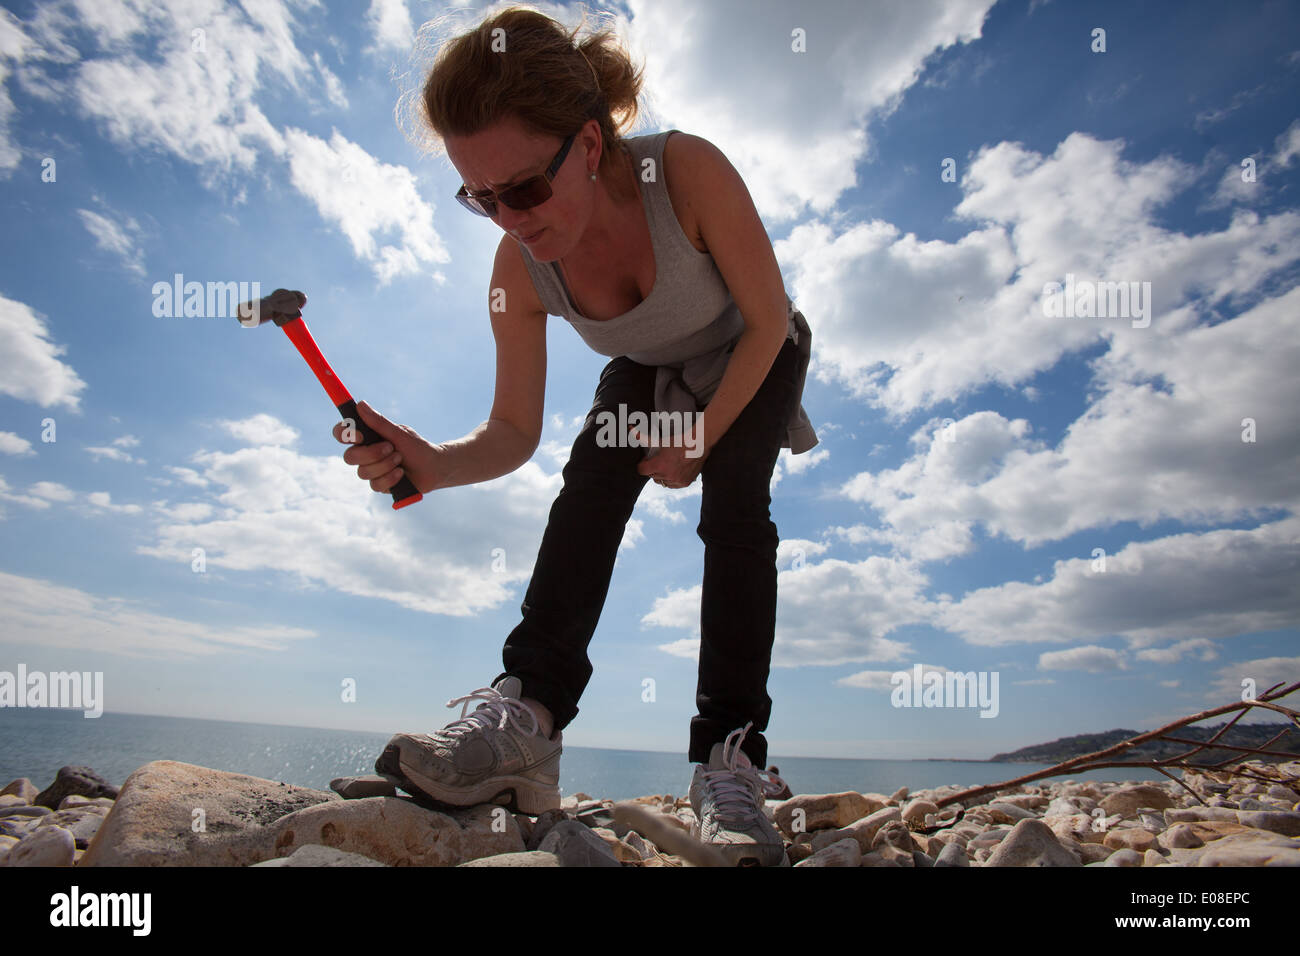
(1031, 843)
(47, 846)
(312, 854)
(1252, 849)
(81, 781)
(542, 825)
(1124, 858)
(24, 810)
(73, 801)
(533, 858)
(845, 852)
(1130, 838)
(953, 854)
(1180, 836)
(864, 830)
(576, 845)
(1090, 853)
(822, 811)
(1003, 812)
(1285, 822)
(23, 788)
(81, 822)
(1127, 801)
(366, 785)
(916, 810)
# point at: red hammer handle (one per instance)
(404, 492)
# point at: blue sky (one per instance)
(975, 454)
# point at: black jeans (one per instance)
(547, 651)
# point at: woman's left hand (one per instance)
(674, 465)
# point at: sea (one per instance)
(36, 742)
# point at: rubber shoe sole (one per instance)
(515, 793)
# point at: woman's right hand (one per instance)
(402, 452)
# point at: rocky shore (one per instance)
(176, 814)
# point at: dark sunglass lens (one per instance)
(528, 194)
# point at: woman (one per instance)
(652, 249)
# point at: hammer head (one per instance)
(281, 306)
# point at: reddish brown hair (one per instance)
(522, 63)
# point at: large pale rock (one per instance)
(48, 846)
(153, 820)
(1031, 843)
(399, 832)
(822, 811)
(1128, 800)
(846, 852)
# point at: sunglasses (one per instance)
(525, 195)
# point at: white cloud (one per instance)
(883, 680)
(119, 239)
(793, 123)
(333, 85)
(30, 369)
(267, 507)
(195, 95)
(1203, 649)
(43, 614)
(367, 199)
(1091, 658)
(259, 429)
(13, 47)
(114, 454)
(831, 612)
(104, 501)
(11, 444)
(1179, 588)
(1037, 221)
(389, 23)
(798, 464)
(1163, 440)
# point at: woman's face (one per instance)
(505, 154)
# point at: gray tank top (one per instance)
(688, 324)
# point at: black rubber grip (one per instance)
(404, 493)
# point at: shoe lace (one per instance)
(496, 711)
(734, 789)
